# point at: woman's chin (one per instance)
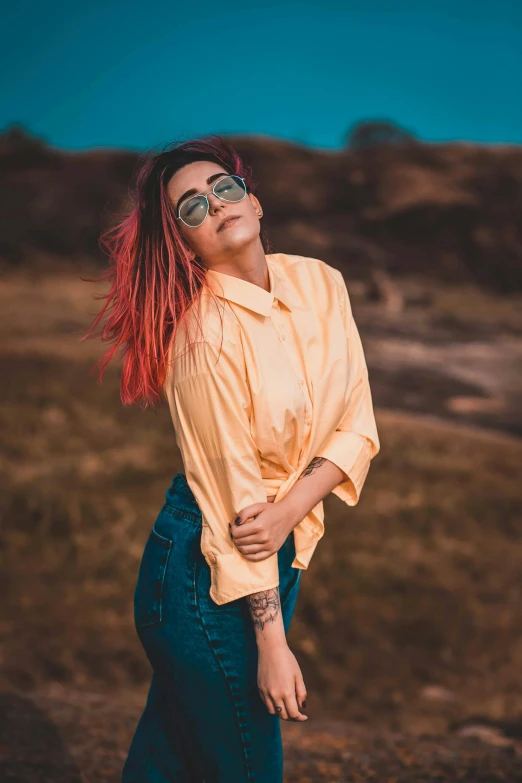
(235, 239)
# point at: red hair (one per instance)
(154, 279)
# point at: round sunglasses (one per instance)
(194, 210)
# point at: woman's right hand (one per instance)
(280, 682)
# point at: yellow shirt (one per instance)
(291, 384)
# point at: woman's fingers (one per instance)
(300, 691)
(280, 707)
(261, 555)
(270, 703)
(255, 552)
(249, 534)
(285, 706)
(251, 537)
(250, 549)
(249, 511)
(292, 708)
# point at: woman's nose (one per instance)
(214, 202)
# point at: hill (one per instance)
(446, 212)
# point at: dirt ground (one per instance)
(66, 736)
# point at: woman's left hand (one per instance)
(263, 528)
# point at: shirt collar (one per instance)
(253, 296)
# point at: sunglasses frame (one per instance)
(225, 176)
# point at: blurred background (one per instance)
(385, 138)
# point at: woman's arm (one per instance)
(273, 523)
(279, 678)
(312, 486)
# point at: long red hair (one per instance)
(154, 280)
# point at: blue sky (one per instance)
(137, 75)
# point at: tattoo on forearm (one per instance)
(264, 607)
(314, 464)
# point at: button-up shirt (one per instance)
(270, 380)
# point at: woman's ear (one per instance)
(256, 205)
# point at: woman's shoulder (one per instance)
(312, 279)
(209, 321)
(308, 268)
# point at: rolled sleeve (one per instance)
(210, 402)
(355, 441)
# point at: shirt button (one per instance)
(283, 337)
(301, 383)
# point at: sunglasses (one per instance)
(194, 210)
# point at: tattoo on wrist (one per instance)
(264, 607)
(314, 464)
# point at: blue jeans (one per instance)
(204, 720)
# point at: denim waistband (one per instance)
(180, 497)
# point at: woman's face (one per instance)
(207, 241)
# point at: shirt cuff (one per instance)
(351, 453)
(233, 576)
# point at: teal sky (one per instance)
(137, 75)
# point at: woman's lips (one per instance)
(228, 223)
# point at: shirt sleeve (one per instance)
(210, 402)
(355, 441)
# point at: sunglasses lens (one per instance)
(194, 211)
(230, 188)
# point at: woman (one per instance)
(261, 363)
